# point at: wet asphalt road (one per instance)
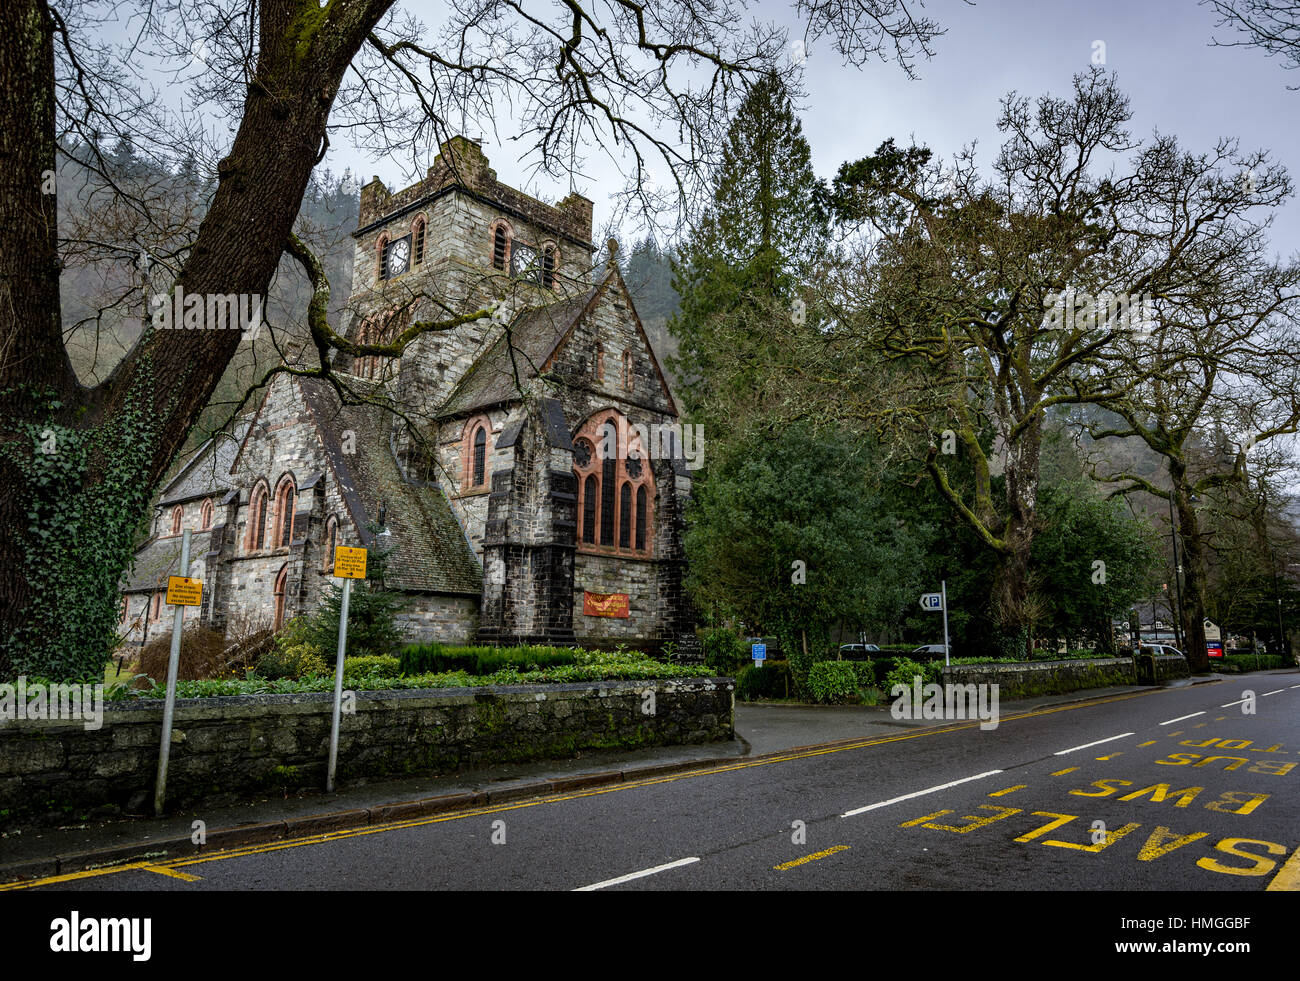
(1180, 790)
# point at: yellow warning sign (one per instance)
(349, 563)
(184, 591)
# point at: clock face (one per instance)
(523, 260)
(399, 256)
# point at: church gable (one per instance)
(606, 350)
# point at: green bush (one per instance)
(839, 682)
(436, 659)
(587, 666)
(725, 650)
(1251, 662)
(298, 661)
(904, 670)
(377, 665)
(773, 680)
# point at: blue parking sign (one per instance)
(759, 651)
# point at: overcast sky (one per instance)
(1160, 49)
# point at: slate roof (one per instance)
(430, 551)
(161, 558)
(208, 471)
(535, 334)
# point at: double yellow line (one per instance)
(167, 867)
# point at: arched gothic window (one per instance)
(615, 486)
(476, 451)
(500, 247)
(417, 241)
(255, 536)
(549, 258)
(381, 257)
(281, 581)
(331, 542)
(178, 514)
(286, 499)
(205, 515)
(627, 370)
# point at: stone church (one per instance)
(520, 490)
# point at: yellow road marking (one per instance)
(1111, 756)
(1149, 742)
(520, 805)
(163, 870)
(1170, 735)
(1220, 718)
(1009, 790)
(809, 858)
(1288, 876)
(1068, 769)
(1200, 725)
(927, 817)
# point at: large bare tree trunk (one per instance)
(67, 516)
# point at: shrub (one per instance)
(838, 682)
(773, 680)
(202, 655)
(903, 672)
(379, 666)
(725, 651)
(1252, 662)
(298, 661)
(436, 659)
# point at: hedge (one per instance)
(773, 680)
(839, 682)
(438, 659)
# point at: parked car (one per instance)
(928, 652)
(858, 652)
(1160, 650)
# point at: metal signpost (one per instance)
(182, 591)
(349, 564)
(934, 602)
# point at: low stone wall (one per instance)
(1028, 679)
(232, 748)
(1171, 666)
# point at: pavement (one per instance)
(761, 730)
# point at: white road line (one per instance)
(1181, 718)
(919, 793)
(1295, 686)
(1231, 704)
(637, 875)
(1108, 739)
(1273, 692)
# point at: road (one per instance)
(1171, 789)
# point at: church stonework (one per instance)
(518, 501)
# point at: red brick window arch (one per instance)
(331, 542)
(616, 489)
(381, 253)
(476, 451)
(281, 581)
(255, 534)
(205, 515)
(502, 238)
(380, 328)
(178, 515)
(417, 240)
(286, 501)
